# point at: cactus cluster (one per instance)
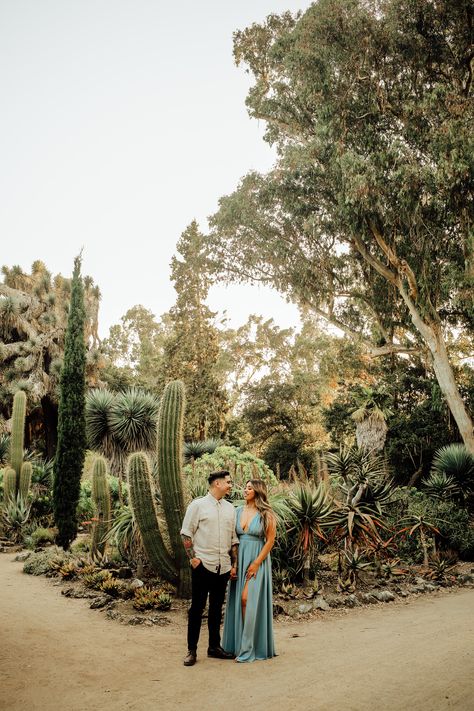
(17, 475)
(173, 566)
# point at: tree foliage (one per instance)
(191, 351)
(367, 215)
(33, 318)
(71, 447)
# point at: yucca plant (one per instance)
(125, 536)
(456, 461)
(194, 450)
(4, 448)
(440, 485)
(310, 513)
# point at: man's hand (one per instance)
(233, 573)
(195, 562)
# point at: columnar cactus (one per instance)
(170, 465)
(25, 479)
(9, 484)
(142, 500)
(101, 499)
(18, 433)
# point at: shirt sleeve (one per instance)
(191, 520)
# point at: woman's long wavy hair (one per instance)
(261, 502)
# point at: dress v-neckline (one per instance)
(245, 530)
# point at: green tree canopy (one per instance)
(367, 216)
(191, 350)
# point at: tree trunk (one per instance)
(433, 338)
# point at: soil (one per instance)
(59, 655)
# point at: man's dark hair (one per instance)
(217, 475)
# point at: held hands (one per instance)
(233, 573)
(195, 562)
(252, 570)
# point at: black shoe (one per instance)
(219, 653)
(190, 659)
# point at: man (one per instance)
(209, 537)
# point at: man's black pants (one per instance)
(205, 583)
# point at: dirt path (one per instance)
(58, 655)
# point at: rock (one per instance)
(466, 578)
(429, 587)
(305, 607)
(351, 601)
(335, 600)
(113, 615)
(319, 603)
(159, 620)
(419, 581)
(369, 598)
(136, 583)
(79, 593)
(21, 557)
(99, 602)
(280, 608)
(384, 596)
(403, 593)
(136, 620)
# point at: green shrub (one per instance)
(46, 561)
(242, 466)
(42, 535)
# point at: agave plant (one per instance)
(310, 513)
(15, 515)
(125, 536)
(351, 564)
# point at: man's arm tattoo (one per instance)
(234, 554)
(188, 546)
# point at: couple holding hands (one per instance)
(229, 550)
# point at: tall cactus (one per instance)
(24, 480)
(9, 484)
(17, 439)
(142, 500)
(101, 499)
(170, 465)
(175, 566)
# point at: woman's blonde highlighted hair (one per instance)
(261, 502)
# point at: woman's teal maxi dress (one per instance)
(252, 639)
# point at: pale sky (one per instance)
(121, 121)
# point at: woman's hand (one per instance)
(252, 570)
(233, 573)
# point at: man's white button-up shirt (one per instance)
(210, 523)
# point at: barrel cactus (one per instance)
(102, 506)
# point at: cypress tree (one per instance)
(71, 446)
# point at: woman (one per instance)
(248, 623)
